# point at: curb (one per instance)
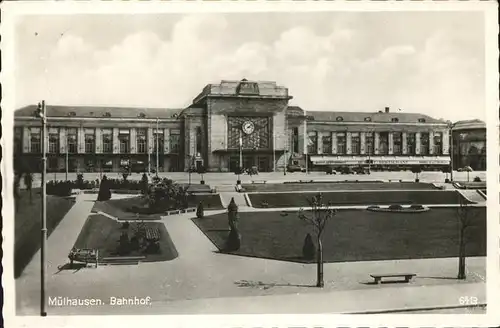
(423, 308)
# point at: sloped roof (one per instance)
(372, 116)
(469, 124)
(100, 112)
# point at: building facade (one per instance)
(469, 145)
(229, 124)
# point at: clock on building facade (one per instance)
(248, 127)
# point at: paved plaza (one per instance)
(202, 280)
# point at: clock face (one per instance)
(248, 127)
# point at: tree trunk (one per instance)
(31, 196)
(461, 255)
(320, 283)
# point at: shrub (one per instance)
(308, 250)
(199, 211)
(477, 179)
(233, 242)
(59, 188)
(124, 245)
(125, 176)
(416, 207)
(79, 181)
(395, 207)
(134, 243)
(104, 190)
(125, 225)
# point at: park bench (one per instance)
(259, 181)
(407, 276)
(153, 234)
(85, 255)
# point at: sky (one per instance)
(423, 62)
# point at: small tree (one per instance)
(320, 215)
(233, 242)
(104, 190)
(417, 170)
(308, 248)
(465, 218)
(79, 180)
(446, 170)
(199, 211)
(144, 183)
(125, 176)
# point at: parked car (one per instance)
(330, 170)
(295, 168)
(347, 170)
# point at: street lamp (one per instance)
(41, 113)
(157, 153)
(450, 139)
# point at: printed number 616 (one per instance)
(468, 300)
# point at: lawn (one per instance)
(27, 225)
(102, 233)
(353, 235)
(427, 197)
(326, 186)
(119, 207)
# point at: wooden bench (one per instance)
(259, 181)
(153, 234)
(407, 276)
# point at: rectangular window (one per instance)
(18, 140)
(397, 141)
(424, 143)
(124, 140)
(72, 139)
(355, 143)
(158, 141)
(341, 143)
(175, 141)
(107, 140)
(295, 140)
(52, 164)
(312, 144)
(53, 140)
(90, 141)
(142, 141)
(383, 143)
(411, 143)
(327, 144)
(369, 143)
(35, 140)
(438, 143)
(199, 140)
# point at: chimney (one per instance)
(387, 109)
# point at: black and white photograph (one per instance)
(281, 161)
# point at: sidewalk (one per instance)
(384, 300)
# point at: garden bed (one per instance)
(102, 233)
(27, 225)
(356, 198)
(341, 185)
(352, 235)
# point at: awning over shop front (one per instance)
(380, 160)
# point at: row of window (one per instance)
(382, 146)
(71, 140)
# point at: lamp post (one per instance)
(67, 155)
(450, 129)
(157, 153)
(41, 113)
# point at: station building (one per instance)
(228, 121)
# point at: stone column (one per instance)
(446, 142)
(81, 140)
(303, 137)
(362, 143)
(62, 140)
(319, 137)
(150, 141)
(334, 142)
(404, 141)
(417, 143)
(166, 141)
(391, 143)
(133, 140)
(376, 141)
(116, 142)
(26, 139)
(348, 143)
(98, 140)
(431, 143)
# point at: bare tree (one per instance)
(465, 218)
(320, 215)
